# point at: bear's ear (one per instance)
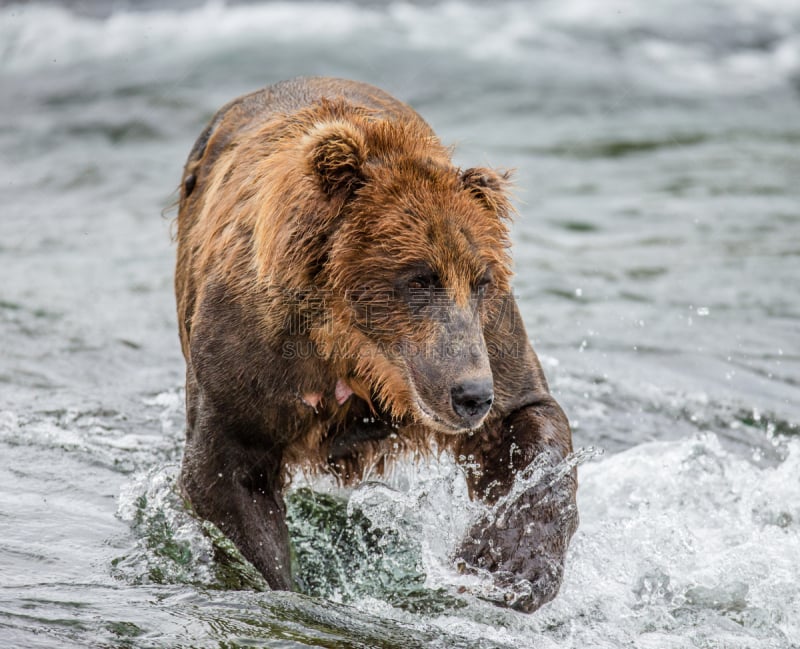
(337, 158)
(489, 187)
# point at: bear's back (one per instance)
(287, 97)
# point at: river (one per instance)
(657, 258)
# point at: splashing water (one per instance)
(682, 542)
(391, 540)
(172, 546)
(679, 541)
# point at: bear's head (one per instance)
(411, 264)
(408, 257)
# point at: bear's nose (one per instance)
(472, 399)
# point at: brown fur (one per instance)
(311, 213)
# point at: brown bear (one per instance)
(344, 299)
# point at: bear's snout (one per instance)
(471, 399)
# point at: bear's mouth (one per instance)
(435, 421)
(426, 415)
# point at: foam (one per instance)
(740, 47)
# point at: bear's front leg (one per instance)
(238, 487)
(522, 540)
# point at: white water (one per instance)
(719, 46)
(681, 544)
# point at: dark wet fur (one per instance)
(247, 420)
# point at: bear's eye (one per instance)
(422, 282)
(483, 283)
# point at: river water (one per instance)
(657, 254)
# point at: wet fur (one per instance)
(280, 184)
